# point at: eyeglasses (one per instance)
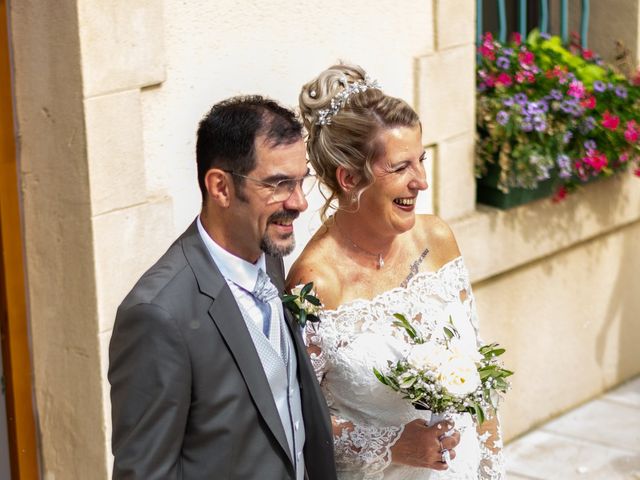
(283, 189)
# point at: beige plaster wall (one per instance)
(569, 323)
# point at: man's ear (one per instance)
(219, 186)
(347, 179)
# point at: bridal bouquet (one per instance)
(442, 376)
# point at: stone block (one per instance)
(455, 23)
(446, 93)
(495, 241)
(115, 151)
(126, 243)
(454, 182)
(121, 44)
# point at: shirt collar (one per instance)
(239, 271)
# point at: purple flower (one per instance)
(556, 94)
(563, 161)
(588, 125)
(543, 106)
(540, 125)
(568, 135)
(503, 63)
(508, 102)
(564, 164)
(520, 98)
(527, 126)
(599, 86)
(502, 117)
(532, 108)
(621, 92)
(590, 145)
(545, 36)
(508, 52)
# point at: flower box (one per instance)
(550, 119)
(488, 192)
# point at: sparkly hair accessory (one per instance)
(340, 100)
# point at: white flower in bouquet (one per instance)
(459, 375)
(427, 356)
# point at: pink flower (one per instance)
(636, 172)
(596, 160)
(526, 58)
(487, 52)
(504, 79)
(516, 38)
(587, 54)
(589, 102)
(576, 89)
(624, 157)
(636, 79)
(610, 121)
(632, 133)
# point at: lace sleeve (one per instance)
(362, 448)
(491, 457)
(469, 301)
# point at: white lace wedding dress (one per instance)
(350, 341)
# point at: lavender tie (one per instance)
(266, 292)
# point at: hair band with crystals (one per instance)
(340, 100)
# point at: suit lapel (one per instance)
(226, 315)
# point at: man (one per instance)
(209, 379)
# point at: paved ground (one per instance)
(598, 441)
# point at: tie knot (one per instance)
(264, 290)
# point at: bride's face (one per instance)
(399, 176)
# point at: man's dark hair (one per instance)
(226, 135)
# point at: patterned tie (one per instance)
(268, 295)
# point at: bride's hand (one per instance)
(421, 446)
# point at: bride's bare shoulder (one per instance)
(317, 264)
(438, 236)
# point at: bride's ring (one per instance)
(446, 457)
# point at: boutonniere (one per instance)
(303, 304)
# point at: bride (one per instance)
(375, 257)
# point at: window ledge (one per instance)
(495, 241)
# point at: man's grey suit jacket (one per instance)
(189, 397)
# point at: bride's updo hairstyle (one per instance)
(343, 111)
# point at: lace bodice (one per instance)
(350, 341)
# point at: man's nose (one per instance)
(297, 200)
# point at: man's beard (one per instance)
(268, 246)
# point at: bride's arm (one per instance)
(492, 461)
(370, 449)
